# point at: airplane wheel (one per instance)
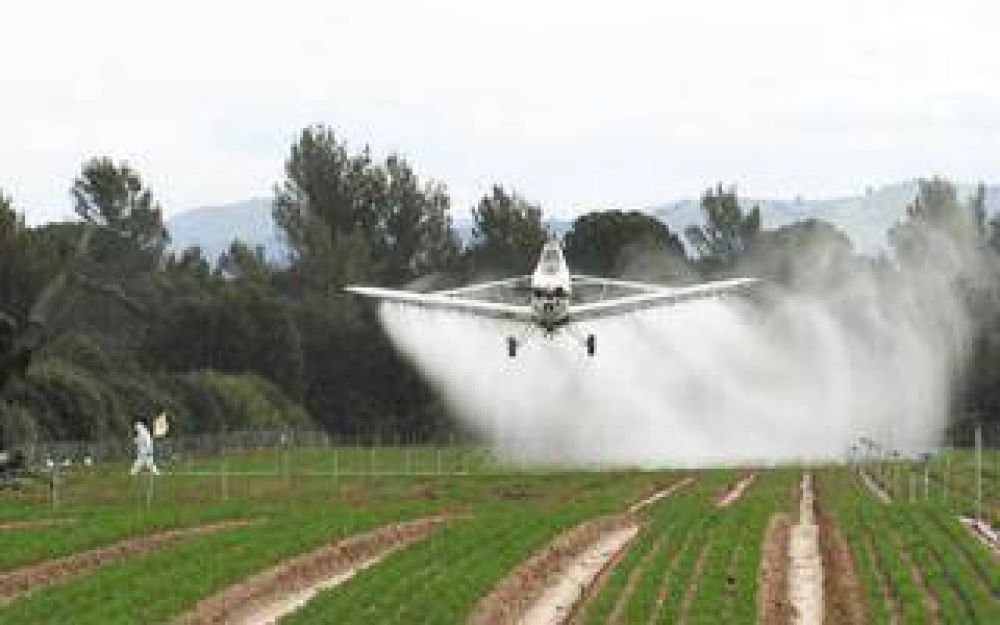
(591, 344)
(511, 346)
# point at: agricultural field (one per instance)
(473, 538)
(948, 478)
(915, 562)
(695, 561)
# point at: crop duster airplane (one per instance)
(553, 294)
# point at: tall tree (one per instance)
(614, 243)
(418, 233)
(727, 234)
(507, 233)
(808, 254)
(248, 267)
(937, 214)
(115, 197)
(24, 262)
(332, 202)
(324, 188)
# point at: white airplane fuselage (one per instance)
(550, 289)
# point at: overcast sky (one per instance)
(619, 105)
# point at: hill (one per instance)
(865, 218)
(213, 228)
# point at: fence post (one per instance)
(947, 474)
(225, 478)
(408, 450)
(979, 470)
(927, 480)
(54, 485)
(286, 459)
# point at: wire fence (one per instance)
(963, 474)
(220, 466)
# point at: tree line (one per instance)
(101, 323)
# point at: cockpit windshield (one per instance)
(550, 261)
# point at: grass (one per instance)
(914, 559)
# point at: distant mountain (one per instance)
(865, 218)
(463, 226)
(213, 228)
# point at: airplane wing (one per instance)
(581, 280)
(443, 301)
(655, 296)
(516, 283)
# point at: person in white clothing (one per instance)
(143, 450)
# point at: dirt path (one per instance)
(984, 533)
(670, 490)
(279, 591)
(28, 578)
(805, 575)
(556, 602)
(733, 494)
(772, 597)
(874, 487)
(33, 524)
(529, 583)
(552, 584)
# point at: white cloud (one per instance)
(577, 105)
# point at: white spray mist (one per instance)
(800, 376)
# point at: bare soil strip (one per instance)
(555, 605)
(28, 578)
(874, 487)
(527, 585)
(279, 591)
(772, 598)
(33, 524)
(670, 490)
(984, 533)
(552, 585)
(843, 599)
(734, 493)
(805, 575)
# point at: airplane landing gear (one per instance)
(511, 347)
(591, 344)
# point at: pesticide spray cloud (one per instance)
(800, 375)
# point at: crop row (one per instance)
(158, 585)
(694, 560)
(440, 579)
(915, 562)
